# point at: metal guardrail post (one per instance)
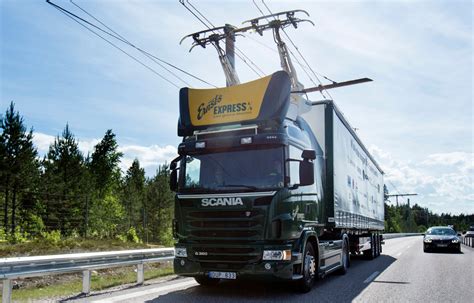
(140, 274)
(86, 282)
(7, 291)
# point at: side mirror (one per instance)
(306, 173)
(308, 154)
(459, 235)
(423, 235)
(174, 180)
(174, 174)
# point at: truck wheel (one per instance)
(310, 269)
(206, 281)
(345, 258)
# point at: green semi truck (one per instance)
(270, 185)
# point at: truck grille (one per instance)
(225, 225)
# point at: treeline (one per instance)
(67, 193)
(403, 218)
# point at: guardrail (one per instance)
(468, 241)
(22, 267)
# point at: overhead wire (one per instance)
(120, 49)
(289, 50)
(146, 53)
(299, 52)
(122, 39)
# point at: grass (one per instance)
(103, 280)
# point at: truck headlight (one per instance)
(455, 241)
(277, 255)
(428, 240)
(180, 252)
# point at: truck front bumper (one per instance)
(264, 269)
(281, 270)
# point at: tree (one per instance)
(104, 163)
(160, 200)
(134, 196)
(64, 182)
(103, 177)
(18, 163)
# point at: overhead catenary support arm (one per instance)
(226, 57)
(333, 85)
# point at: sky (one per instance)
(416, 118)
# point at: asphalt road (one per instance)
(403, 273)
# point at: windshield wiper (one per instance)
(239, 185)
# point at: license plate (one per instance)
(442, 245)
(222, 275)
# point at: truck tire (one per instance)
(309, 269)
(345, 258)
(206, 281)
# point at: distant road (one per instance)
(403, 273)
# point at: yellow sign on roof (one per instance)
(229, 104)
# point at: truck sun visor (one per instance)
(260, 100)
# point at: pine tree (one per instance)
(134, 197)
(18, 163)
(104, 163)
(105, 178)
(64, 181)
(161, 206)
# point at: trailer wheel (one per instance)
(380, 243)
(345, 258)
(206, 281)
(309, 270)
(377, 245)
(370, 253)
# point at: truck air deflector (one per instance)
(255, 102)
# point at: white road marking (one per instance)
(371, 277)
(137, 294)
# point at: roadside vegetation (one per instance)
(64, 197)
(406, 218)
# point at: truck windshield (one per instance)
(233, 170)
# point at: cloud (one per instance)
(42, 142)
(150, 157)
(443, 181)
